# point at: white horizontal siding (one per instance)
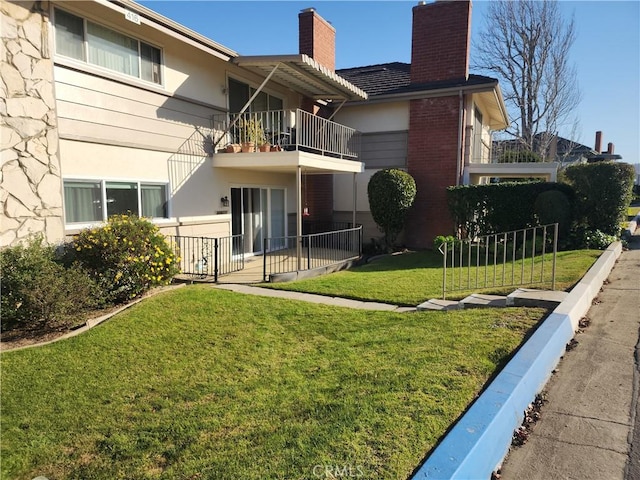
(91, 108)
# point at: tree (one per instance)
(526, 44)
(391, 194)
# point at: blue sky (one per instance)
(606, 52)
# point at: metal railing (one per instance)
(209, 257)
(285, 130)
(519, 257)
(282, 255)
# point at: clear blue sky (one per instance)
(606, 52)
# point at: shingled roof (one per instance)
(395, 78)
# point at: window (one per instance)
(89, 42)
(85, 200)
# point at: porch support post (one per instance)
(355, 200)
(299, 216)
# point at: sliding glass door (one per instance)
(257, 213)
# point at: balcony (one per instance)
(489, 159)
(283, 139)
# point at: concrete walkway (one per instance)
(584, 431)
(309, 297)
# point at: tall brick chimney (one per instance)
(440, 52)
(440, 41)
(317, 38)
(598, 146)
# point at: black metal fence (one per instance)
(312, 250)
(209, 257)
(519, 257)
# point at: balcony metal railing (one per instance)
(519, 257)
(280, 254)
(209, 257)
(285, 130)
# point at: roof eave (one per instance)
(168, 26)
(303, 74)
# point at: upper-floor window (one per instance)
(89, 42)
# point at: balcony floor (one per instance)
(286, 161)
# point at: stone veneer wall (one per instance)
(30, 178)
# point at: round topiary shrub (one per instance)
(391, 194)
(553, 206)
(127, 257)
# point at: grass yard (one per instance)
(200, 383)
(632, 211)
(412, 278)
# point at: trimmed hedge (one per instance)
(500, 207)
(603, 192)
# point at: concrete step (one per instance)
(477, 300)
(528, 297)
(439, 304)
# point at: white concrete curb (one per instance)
(480, 440)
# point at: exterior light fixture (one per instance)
(224, 201)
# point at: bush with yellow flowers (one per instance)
(127, 257)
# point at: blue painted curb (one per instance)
(482, 437)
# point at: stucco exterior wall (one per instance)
(30, 187)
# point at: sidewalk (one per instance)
(586, 427)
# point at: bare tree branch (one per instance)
(526, 45)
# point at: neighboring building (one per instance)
(110, 107)
(430, 117)
(549, 148)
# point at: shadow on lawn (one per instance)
(401, 261)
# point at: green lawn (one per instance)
(632, 212)
(412, 278)
(200, 383)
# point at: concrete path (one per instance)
(309, 297)
(585, 429)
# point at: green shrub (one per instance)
(553, 206)
(449, 239)
(603, 192)
(36, 288)
(498, 207)
(391, 194)
(595, 239)
(127, 257)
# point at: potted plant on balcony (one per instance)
(252, 134)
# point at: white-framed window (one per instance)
(87, 201)
(95, 44)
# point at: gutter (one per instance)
(421, 94)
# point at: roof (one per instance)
(392, 81)
(395, 78)
(303, 74)
(378, 79)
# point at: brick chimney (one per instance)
(598, 146)
(610, 148)
(440, 41)
(440, 51)
(317, 38)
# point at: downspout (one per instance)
(460, 125)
